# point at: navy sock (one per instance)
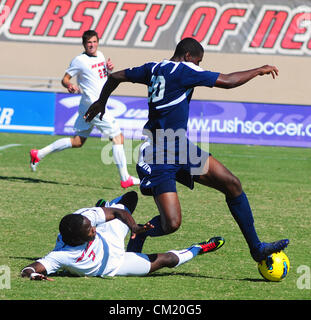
(242, 213)
(136, 245)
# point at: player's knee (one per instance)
(119, 139)
(77, 145)
(171, 260)
(234, 187)
(162, 260)
(77, 142)
(171, 226)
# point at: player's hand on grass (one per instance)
(267, 69)
(39, 276)
(141, 229)
(95, 108)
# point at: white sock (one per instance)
(120, 160)
(185, 255)
(58, 145)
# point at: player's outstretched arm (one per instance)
(126, 218)
(35, 271)
(114, 79)
(235, 79)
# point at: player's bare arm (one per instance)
(35, 271)
(235, 79)
(126, 218)
(114, 79)
(72, 88)
(109, 65)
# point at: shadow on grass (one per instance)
(33, 259)
(29, 180)
(196, 275)
(35, 180)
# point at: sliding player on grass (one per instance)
(91, 243)
(170, 87)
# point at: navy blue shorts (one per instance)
(161, 178)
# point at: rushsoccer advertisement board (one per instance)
(209, 121)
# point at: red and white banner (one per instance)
(246, 26)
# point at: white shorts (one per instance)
(132, 263)
(108, 126)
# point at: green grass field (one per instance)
(276, 180)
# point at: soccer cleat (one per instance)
(34, 160)
(131, 181)
(211, 245)
(100, 203)
(265, 249)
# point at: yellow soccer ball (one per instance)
(275, 267)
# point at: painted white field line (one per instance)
(9, 146)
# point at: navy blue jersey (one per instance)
(170, 87)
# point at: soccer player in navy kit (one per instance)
(170, 87)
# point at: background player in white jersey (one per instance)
(91, 70)
(91, 243)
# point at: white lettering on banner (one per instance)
(250, 127)
(6, 115)
(72, 120)
(137, 113)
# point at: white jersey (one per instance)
(101, 257)
(91, 75)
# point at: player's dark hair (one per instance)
(188, 45)
(89, 34)
(70, 229)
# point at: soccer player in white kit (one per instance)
(91, 243)
(91, 70)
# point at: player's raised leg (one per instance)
(109, 127)
(220, 178)
(36, 155)
(120, 160)
(167, 222)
